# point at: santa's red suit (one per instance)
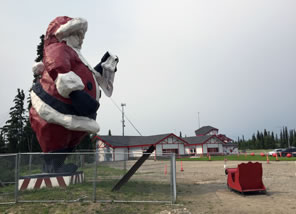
(65, 100)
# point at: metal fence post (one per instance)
(16, 177)
(173, 178)
(95, 175)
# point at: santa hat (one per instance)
(63, 26)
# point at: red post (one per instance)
(225, 163)
(267, 159)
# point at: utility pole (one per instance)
(122, 111)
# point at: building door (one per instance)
(213, 150)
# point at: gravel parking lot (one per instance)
(202, 189)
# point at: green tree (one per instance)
(2, 142)
(294, 139)
(14, 126)
(86, 144)
(40, 49)
(29, 141)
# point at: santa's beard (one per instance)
(74, 41)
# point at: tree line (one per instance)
(18, 136)
(269, 140)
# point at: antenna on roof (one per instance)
(123, 125)
(198, 121)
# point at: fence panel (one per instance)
(29, 177)
(7, 178)
(37, 185)
(150, 183)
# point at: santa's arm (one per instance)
(106, 71)
(68, 83)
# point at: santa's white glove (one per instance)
(106, 70)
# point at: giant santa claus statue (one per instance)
(66, 97)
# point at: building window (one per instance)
(192, 150)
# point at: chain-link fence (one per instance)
(48, 177)
(8, 174)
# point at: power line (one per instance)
(125, 116)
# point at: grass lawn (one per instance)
(82, 194)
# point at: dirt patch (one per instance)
(202, 189)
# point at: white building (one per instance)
(206, 142)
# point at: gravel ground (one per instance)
(202, 189)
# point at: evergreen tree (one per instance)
(86, 144)
(273, 141)
(294, 139)
(14, 127)
(282, 141)
(291, 137)
(2, 142)
(29, 141)
(40, 49)
(109, 132)
(286, 136)
(265, 133)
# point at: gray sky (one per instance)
(232, 61)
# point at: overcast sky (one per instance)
(233, 61)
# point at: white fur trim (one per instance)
(38, 68)
(71, 122)
(68, 82)
(75, 24)
(83, 60)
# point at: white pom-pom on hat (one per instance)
(38, 68)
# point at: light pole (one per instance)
(122, 111)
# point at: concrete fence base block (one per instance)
(48, 180)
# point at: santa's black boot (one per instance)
(54, 163)
(48, 164)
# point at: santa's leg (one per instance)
(54, 138)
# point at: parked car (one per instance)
(292, 151)
(275, 151)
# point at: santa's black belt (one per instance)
(56, 104)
